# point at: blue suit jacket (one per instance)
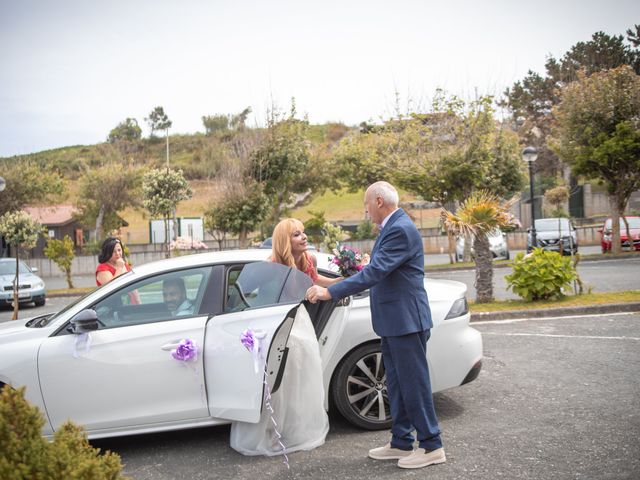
(395, 275)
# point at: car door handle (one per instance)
(167, 347)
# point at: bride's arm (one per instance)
(326, 281)
(322, 280)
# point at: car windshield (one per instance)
(9, 268)
(634, 222)
(551, 224)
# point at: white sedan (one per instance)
(108, 361)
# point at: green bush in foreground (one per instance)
(26, 455)
(541, 275)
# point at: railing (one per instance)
(86, 264)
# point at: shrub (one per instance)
(366, 231)
(541, 275)
(25, 454)
(62, 253)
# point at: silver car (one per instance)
(31, 289)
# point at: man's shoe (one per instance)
(421, 458)
(388, 453)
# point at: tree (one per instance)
(598, 134)
(158, 120)
(215, 123)
(20, 230)
(314, 227)
(25, 453)
(126, 130)
(62, 253)
(162, 191)
(240, 212)
(557, 196)
(106, 191)
(217, 224)
(532, 99)
(280, 163)
(27, 183)
(224, 123)
(481, 213)
(634, 36)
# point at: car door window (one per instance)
(261, 284)
(169, 296)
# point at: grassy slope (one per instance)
(72, 160)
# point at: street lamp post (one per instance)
(529, 155)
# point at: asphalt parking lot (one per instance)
(556, 399)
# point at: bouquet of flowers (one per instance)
(349, 260)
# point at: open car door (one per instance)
(264, 297)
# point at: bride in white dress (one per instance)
(298, 404)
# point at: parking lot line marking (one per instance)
(596, 337)
(529, 319)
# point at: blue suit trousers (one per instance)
(409, 390)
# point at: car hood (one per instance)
(23, 277)
(633, 231)
(549, 234)
(15, 330)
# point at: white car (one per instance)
(105, 361)
(497, 245)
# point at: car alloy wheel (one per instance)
(359, 388)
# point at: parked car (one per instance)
(554, 233)
(634, 230)
(124, 379)
(497, 244)
(31, 289)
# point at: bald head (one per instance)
(380, 199)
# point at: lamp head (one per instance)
(529, 154)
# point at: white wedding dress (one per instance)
(298, 405)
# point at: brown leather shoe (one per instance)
(421, 458)
(388, 453)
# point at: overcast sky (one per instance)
(71, 70)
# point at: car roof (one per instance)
(224, 256)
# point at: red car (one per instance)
(634, 230)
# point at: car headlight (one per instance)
(460, 307)
(38, 285)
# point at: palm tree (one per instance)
(480, 214)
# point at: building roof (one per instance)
(54, 215)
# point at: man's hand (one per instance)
(316, 293)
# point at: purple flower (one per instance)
(185, 351)
(247, 339)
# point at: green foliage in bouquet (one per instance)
(25, 454)
(541, 275)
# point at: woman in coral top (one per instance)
(112, 262)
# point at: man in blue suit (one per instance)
(401, 317)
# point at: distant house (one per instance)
(58, 221)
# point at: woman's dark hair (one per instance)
(108, 246)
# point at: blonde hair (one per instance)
(281, 243)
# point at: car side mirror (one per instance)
(84, 322)
(600, 230)
(34, 269)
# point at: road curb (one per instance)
(587, 259)
(557, 312)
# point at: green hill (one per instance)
(199, 156)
